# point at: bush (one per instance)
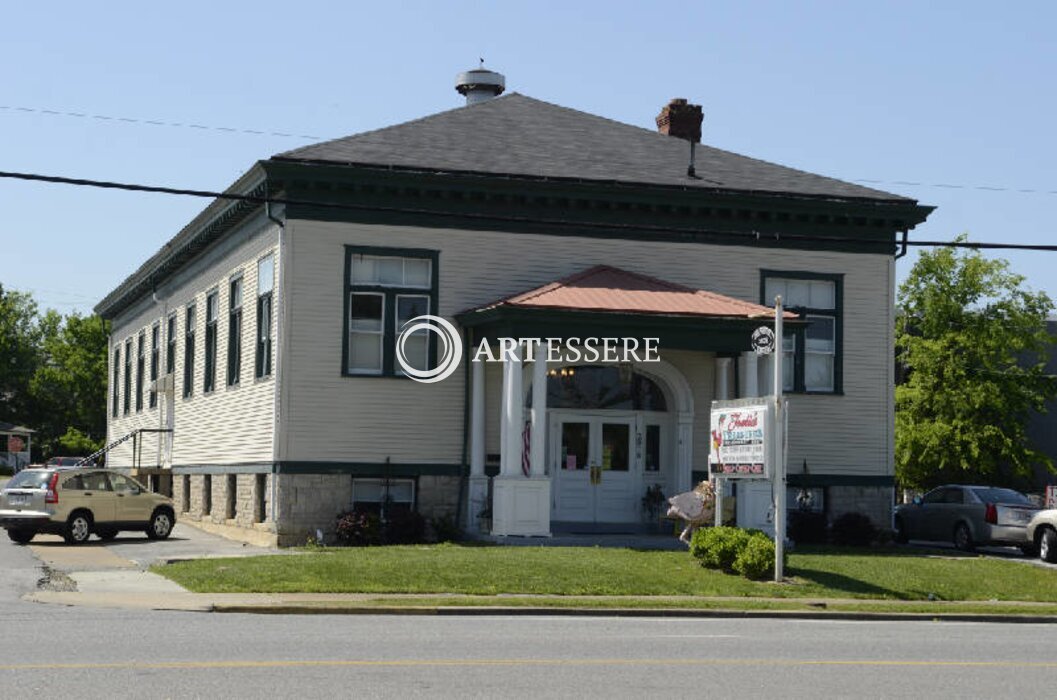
(446, 529)
(853, 530)
(756, 558)
(359, 529)
(404, 527)
(806, 527)
(718, 547)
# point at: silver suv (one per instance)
(79, 502)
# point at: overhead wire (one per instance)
(756, 236)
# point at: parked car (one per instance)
(79, 502)
(1042, 533)
(967, 516)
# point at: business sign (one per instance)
(741, 435)
(1051, 496)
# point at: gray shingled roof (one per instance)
(521, 136)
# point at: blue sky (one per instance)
(955, 93)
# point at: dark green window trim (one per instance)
(389, 310)
(140, 367)
(838, 326)
(127, 405)
(209, 375)
(155, 350)
(116, 384)
(190, 321)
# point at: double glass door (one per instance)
(596, 468)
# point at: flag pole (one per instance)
(778, 444)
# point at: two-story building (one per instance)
(270, 325)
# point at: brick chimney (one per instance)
(681, 120)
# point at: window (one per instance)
(209, 378)
(189, 350)
(234, 331)
(262, 365)
(395, 495)
(170, 344)
(812, 355)
(140, 358)
(386, 288)
(155, 349)
(127, 405)
(115, 385)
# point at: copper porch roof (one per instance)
(609, 289)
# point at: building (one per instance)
(270, 330)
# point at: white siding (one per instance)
(230, 425)
(331, 417)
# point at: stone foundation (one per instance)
(307, 503)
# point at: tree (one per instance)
(69, 386)
(974, 344)
(19, 338)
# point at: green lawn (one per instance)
(893, 574)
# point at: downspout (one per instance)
(464, 467)
(277, 362)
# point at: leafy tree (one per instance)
(19, 338)
(69, 386)
(974, 343)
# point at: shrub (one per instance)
(446, 529)
(404, 527)
(359, 529)
(718, 547)
(755, 560)
(853, 530)
(806, 527)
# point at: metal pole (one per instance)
(779, 449)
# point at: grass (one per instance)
(883, 574)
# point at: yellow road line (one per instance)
(134, 665)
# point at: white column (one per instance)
(539, 413)
(477, 451)
(514, 413)
(749, 386)
(722, 378)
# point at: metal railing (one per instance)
(137, 446)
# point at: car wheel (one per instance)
(106, 534)
(78, 528)
(21, 536)
(161, 524)
(900, 532)
(1048, 546)
(963, 539)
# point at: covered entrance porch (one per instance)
(583, 436)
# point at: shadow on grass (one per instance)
(896, 552)
(846, 584)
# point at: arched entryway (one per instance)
(612, 432)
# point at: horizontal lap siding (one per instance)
(370, 419)
(229, 425)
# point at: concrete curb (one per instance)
(482, 611)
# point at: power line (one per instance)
(156, 122)
(749, 236)
(309, 137)
(982, 188)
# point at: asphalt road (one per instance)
(57, 652)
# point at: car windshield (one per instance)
(993, 495)
(29, 480)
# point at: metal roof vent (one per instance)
(480, 84)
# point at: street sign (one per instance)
(763, 340)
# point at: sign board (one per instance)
(763, 340)
(741, 438)
(1051, 496)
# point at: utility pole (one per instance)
(779, 446)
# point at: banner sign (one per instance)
(741, 437)
(1051, 496)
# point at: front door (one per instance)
(597, 470)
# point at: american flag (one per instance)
(526, 449)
